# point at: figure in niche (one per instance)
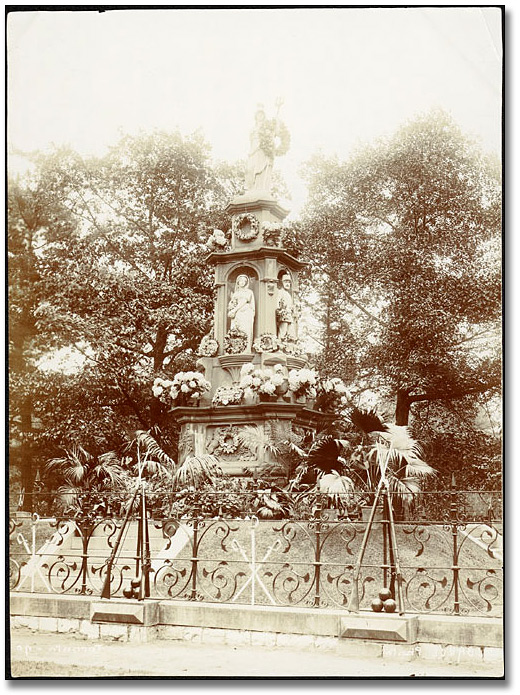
(285, 311)
(241, 309)
(269, 139)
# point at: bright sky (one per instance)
(346, 75)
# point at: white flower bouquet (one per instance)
(208, 347)
(264, 382)
(185, 388)
(218, 241)
(332, 394)
(228, 395)
(302, 382)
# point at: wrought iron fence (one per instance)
(447, 555)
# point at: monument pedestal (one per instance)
(216, 431)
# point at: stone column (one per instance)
(220, 312)
(269, 298)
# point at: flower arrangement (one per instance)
(218, 241)
(228, 395)
(265, 382)
(274, 138)
(331, 394)
(235, 341)
(267, 342)
(291, 346)
(185, 387)
(272, 232)
(302, 382)
(246, 227)
(291, 242)
(208, 347)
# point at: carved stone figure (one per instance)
(269, 138)
(241, 309)
(285, 311)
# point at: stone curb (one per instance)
(447, 653)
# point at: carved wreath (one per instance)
(242, 230)
(228, 440)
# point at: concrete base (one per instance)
(131, 612)
(186, 620)
(381, 628)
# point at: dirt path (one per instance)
(57, 655)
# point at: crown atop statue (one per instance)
(269, 138)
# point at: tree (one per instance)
(407, 235)
(36, 221)
(116, 282)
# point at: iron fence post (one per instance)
(195, 548)
(454, 534)
(386, 536)
(85, 537)
(317, 553)
(144, 550)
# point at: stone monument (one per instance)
(255, 333)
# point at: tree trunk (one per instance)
(159, 347)
(158, 360)
(402, 409)
(27, 472)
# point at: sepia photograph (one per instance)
(254, 287)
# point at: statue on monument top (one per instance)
(269, 139)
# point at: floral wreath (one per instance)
(208, 347)
(240, 222)
(268, 131)
(235, 341)
(267, 342)
(272, 232)
(291, 346)
(228, 440)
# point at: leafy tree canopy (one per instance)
(107, 255)
(404, 245)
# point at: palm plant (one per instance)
(197, 470)
(393, 460)
(151, 460)
(280, 441)
(79, 472)
(323, 472)
(272, 503)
